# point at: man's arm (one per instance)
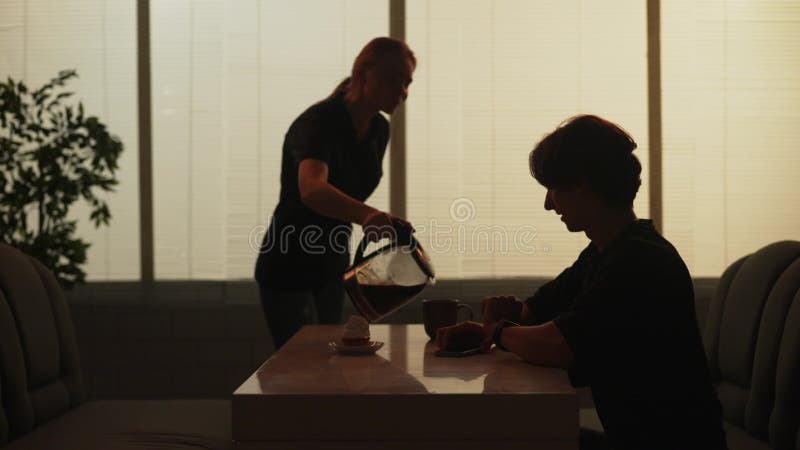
(539, 344)
(555, 296)
(526, 316)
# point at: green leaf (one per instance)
(53, 157)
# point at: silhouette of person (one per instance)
(621, 319)
(331, 163)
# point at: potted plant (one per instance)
(52, 155)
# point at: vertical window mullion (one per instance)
(145, 141)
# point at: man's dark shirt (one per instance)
(303, 249)
(628, 315)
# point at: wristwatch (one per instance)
(498, 331)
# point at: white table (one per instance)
(403, 397)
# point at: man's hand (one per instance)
(460, 337)
(497, 308)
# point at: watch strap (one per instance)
(498, 332)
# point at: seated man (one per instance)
(622, 317)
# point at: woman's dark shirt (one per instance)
(628, 315)
(302, 249)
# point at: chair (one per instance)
(752, 340)
(42, 400)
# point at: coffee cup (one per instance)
(438, 313)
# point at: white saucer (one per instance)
(366, 349)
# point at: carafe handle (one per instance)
(404, 237)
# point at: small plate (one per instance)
(368, 349)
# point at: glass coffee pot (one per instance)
(383, 281)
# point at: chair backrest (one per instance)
(40, 375)
(753, 343)
(3, 420)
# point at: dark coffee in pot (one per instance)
(387, 298)
(374, 301)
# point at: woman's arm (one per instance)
(323, 198)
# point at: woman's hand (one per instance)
(379, 224)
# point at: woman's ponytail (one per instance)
(340, 88)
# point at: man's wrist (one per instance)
(498, 333)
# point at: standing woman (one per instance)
(332, 162)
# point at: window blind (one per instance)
(493, 78)
(39, 38)
(731, 104)
(228, 79)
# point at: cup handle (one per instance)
(469, 309)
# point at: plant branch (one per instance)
(52, 162)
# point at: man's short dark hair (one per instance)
(589, 148)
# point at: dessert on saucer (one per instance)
(355, 338)
(356, 331)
